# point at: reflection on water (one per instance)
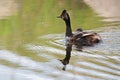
(108, 9)
(94, 63)
(30, 47)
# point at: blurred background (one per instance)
(32, 40)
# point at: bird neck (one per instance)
(68, 27)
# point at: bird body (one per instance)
(79, 38)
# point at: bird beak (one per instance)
(58, 16)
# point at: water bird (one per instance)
(80, 38)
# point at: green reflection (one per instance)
(38, 17)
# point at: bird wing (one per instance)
(87, 34)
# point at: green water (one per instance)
(35, 18)
(32, 41)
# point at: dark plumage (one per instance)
(79, 38)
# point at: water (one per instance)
(94, 63)
(32, 54)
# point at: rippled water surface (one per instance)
(100, 62)
(30, 49)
